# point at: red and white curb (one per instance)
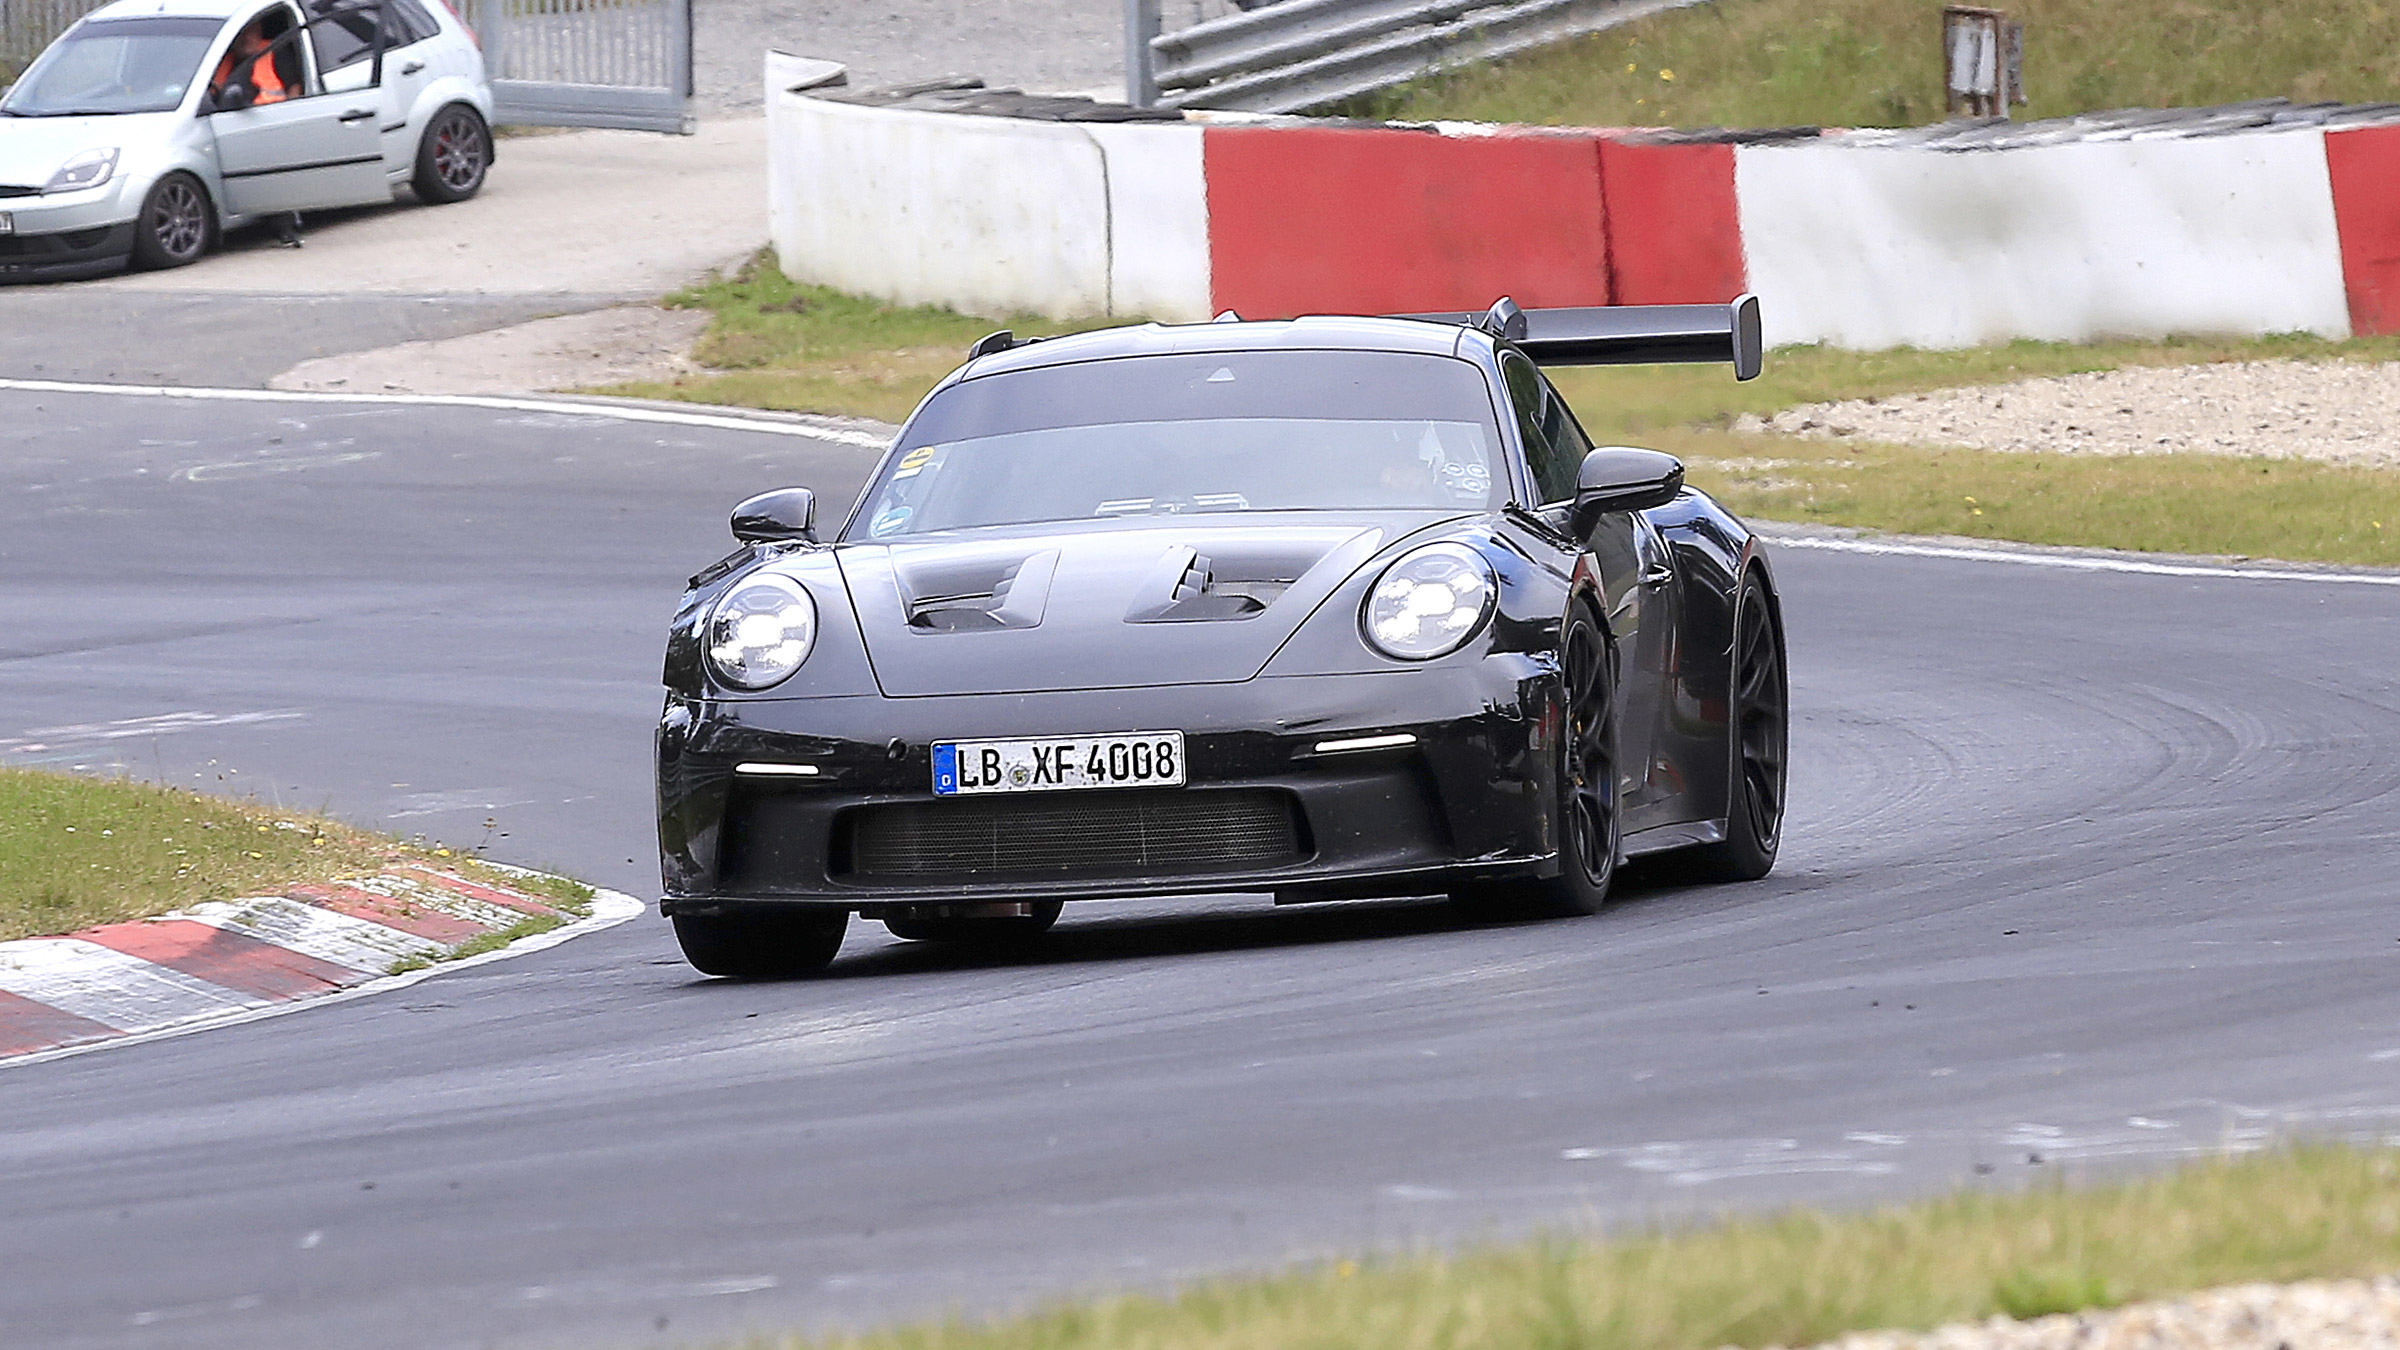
(239, 960)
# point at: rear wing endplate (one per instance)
(1626, 335)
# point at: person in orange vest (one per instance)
(256, 68)
(249, 61)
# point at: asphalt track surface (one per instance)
(2084, 870)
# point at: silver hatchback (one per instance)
(153, 125)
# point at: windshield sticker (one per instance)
(889, 521)
(915, 461)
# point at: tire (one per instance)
(177, 224)
(979, 932)
(761, 946)
(1590, 821)
(453, 156)
(1758, 725)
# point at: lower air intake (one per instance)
(1122, 832)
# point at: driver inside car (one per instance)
(249, 61)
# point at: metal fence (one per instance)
(588, 63)
(1300, 54)
(27, 26)
(561, 63)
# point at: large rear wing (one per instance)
(1626, 335)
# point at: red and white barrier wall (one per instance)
(1850, 240)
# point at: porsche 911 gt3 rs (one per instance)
(1327, 607)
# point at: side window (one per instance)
(1567, 440)
(344, 36)
(1553, 464)
(411, 23)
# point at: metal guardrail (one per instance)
(27, 26)
(1300, 54)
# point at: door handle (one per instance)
(1658, 575)
(356, 115)
(412, 67)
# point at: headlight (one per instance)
(1430, 602)
(761, 631)
(89, 169)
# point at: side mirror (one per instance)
(1621, 478)
(235, 96)
(778, 516)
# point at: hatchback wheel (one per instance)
(454, 156)
(176, 224)
(761, 946)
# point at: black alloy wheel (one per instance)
(454, 156)
(1759, 727)
(1590, 818)
(175, 225)
(761, 946)
(968, 930)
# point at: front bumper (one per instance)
(66, 235)
(1472, 799)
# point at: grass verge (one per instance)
(1758, 63)
(2187, 503)
(78, 852)
(1793, 1280)
(777, 343)
(811, 349)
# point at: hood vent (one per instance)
(1188, 586)
(7, 190)
(978, 595)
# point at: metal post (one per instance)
(1141, 73)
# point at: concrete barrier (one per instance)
(1884, 247)
(2169, 224)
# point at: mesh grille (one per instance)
(1123, 831)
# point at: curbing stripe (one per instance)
(27, 1026)
(123, 993)
(421, 920)
(205, 952)
(609, 908)
(623, 413)
(360, 945)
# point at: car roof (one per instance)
(1314, 333)
(192, 9)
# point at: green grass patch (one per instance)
(1760, 63)
(78, 852)
(1793, 1280)
(2185, 503)
(777, 343)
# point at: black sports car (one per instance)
(1325, 608)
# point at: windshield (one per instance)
(115, 66)
(1157, 435)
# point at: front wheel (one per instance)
(176, 223)
(1590, 832)
(454, 156)
(1758, 725)
(761, 946)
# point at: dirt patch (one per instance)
(2334, 411)
(610, 346)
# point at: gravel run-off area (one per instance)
(2337, 411)
(2315, 1315)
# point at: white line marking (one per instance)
(343, 940)
(2076, 563)
(106, 986)
(609, 908)
(253, 468)
(44, 738)
(663, 416)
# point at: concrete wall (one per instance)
(1886, 247)
(1846, 241)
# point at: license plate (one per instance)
(1058, 763)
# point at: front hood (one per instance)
(1102, 604)
(33, 148)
